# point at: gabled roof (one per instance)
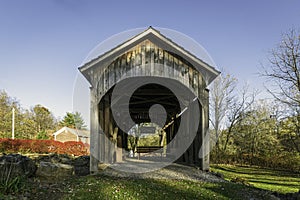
(209, 73)
(79, 133)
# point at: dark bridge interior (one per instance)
(151, 94)
(167, 114)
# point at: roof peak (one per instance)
(157, 37)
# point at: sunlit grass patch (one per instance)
(268, 179)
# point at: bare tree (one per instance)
(284, 69)
(221, 96)
(284, 72)
(238, 111)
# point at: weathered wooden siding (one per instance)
(147, 60)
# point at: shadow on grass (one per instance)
(273, 183)
(106, 187)
(263, 178)
(257, 171)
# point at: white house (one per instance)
(69, 134)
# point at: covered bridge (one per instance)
(128, 81)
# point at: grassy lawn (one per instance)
(103, 187)
(106, 187)
(273, 180)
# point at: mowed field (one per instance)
(268, 179)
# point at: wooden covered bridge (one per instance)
(148, 56)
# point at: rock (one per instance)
(16, 165)
(54, 171)
(82, 165)
(55, 158)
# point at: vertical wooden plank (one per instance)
(155, 55)
(176, 125)
(111, 149)
(138, 56)
(100, 85)
(176, 69)
(198, 140)
(164, 63)
(101, 127)
(94, 140)
(147, 65)
(155, 60)
(167, 68)
(181, 71)
(190, 72)
(124, 66)
(143, 53)
(150, 68)
(191, 125)
(201, 153)
(119, 67)
(167, 130)
(171, 64)
(117, 71)
(147, 52)
(106, 128)
(185, 71)
(160, 56)
(195, 82)
(138, 63)
(186, 135)
(105, 80)
(111, 75)
(118, 145)
(171, 133)
(141, 66)
(206, 131)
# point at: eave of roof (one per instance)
(168, 44)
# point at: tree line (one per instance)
(247, 130)
(38, 122)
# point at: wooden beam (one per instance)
(94, 140)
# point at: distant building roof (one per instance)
(79, 133)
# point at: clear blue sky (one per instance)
(42, 43)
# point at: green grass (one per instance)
(268, 179)
(103, 187)
(106, 187)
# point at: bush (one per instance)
(43, 146)
(76, 148)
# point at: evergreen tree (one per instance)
(73, 120)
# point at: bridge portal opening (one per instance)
(155, 113)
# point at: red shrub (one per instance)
(5, 144)
(43, 146)
(25, 147)
(75, 148)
